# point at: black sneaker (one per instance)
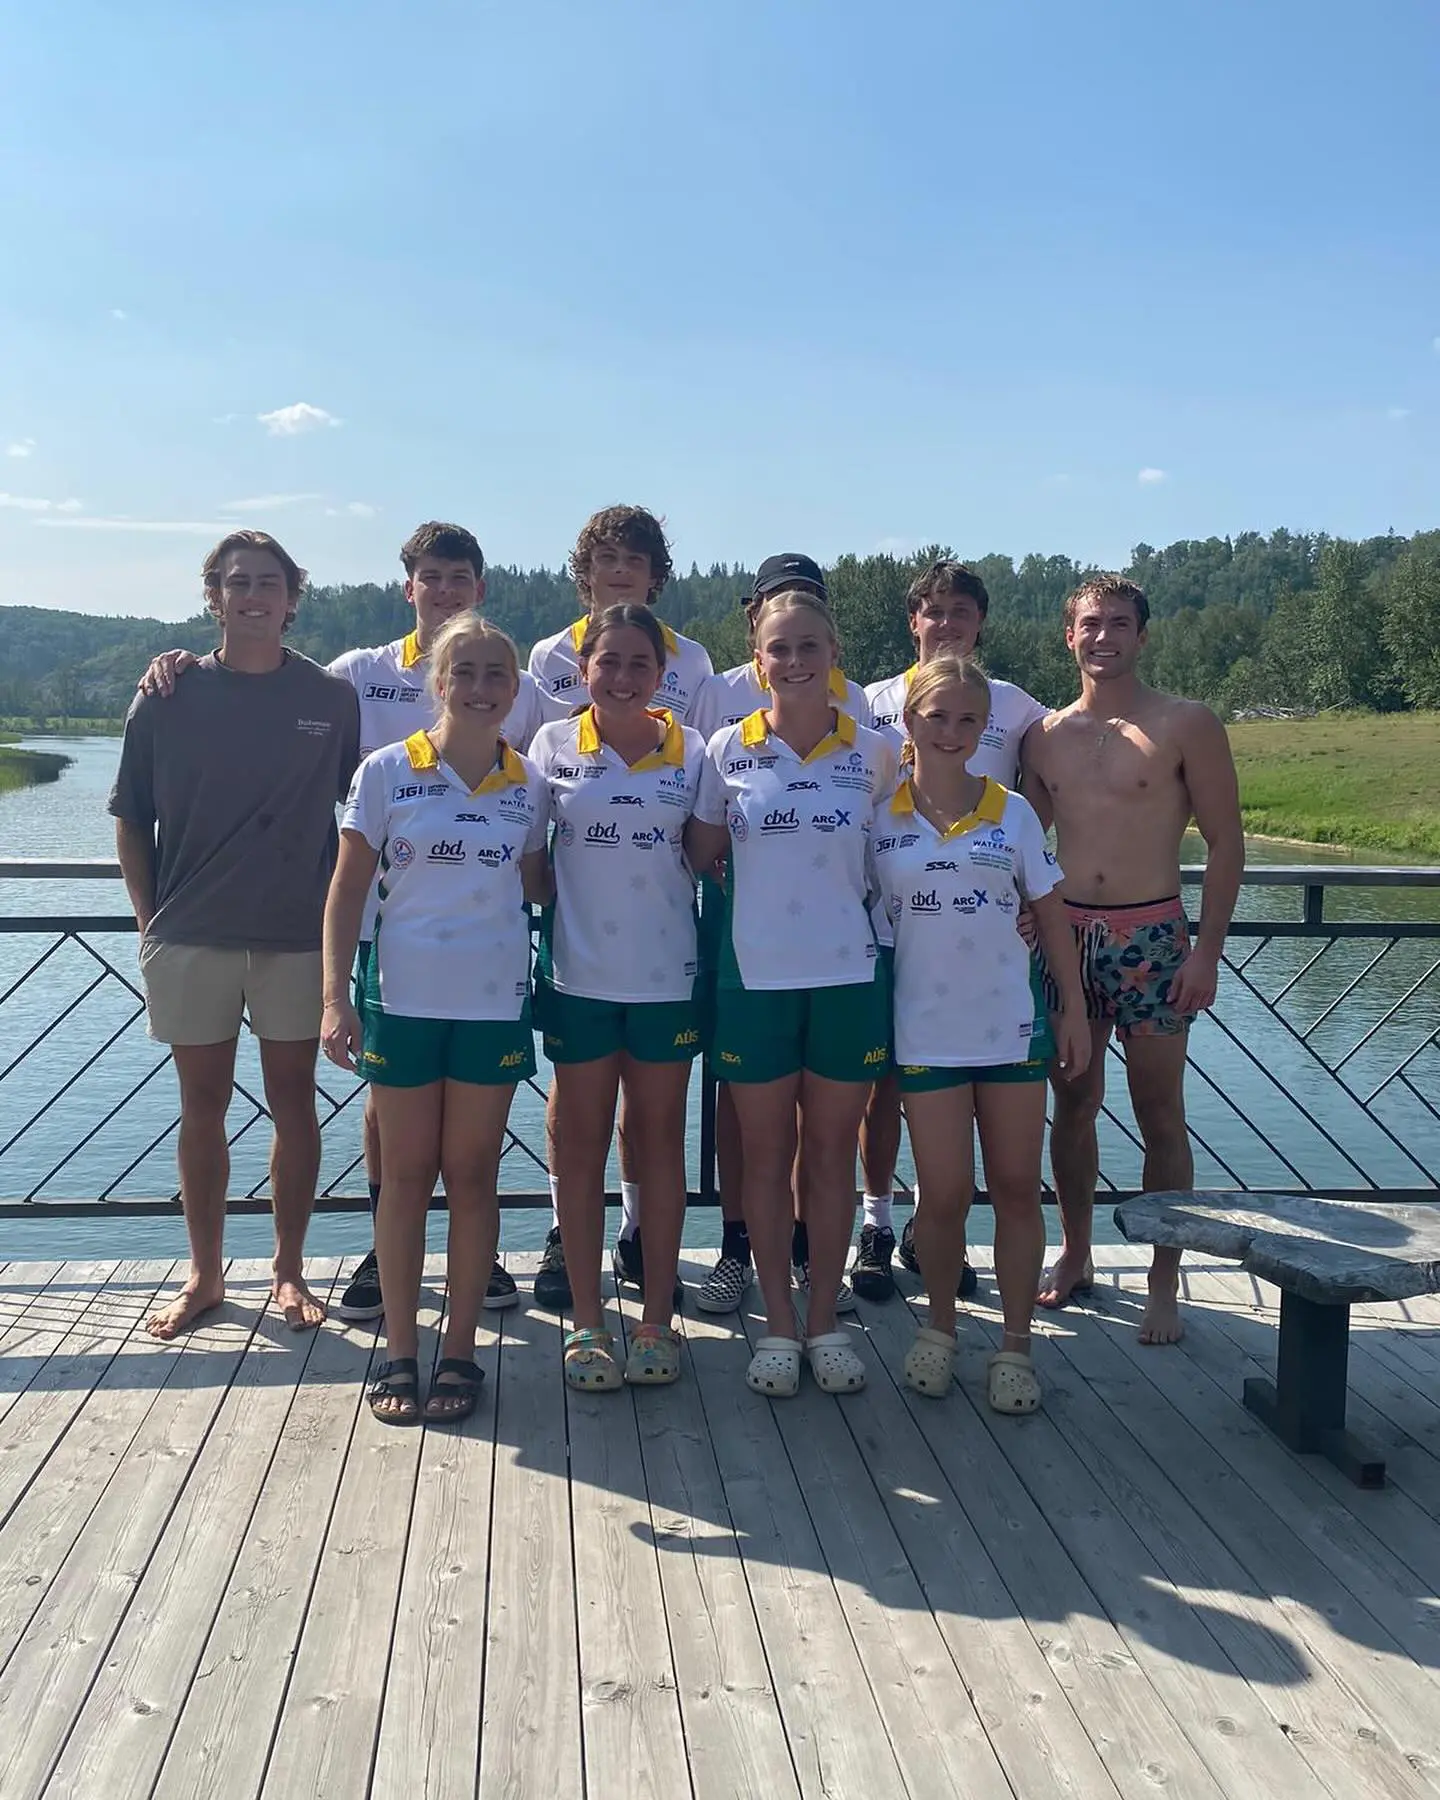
(627, 1260)
(361, 1300)
(502, 1291)
(552, 1279)
(870, 1272)
(969, 1280)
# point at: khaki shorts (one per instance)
(196, 995)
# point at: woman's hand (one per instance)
(340, 1035)
(1072, 1043)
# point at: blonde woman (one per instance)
(956, 855)
(455, 820)
(802, 1005)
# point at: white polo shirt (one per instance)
(624, 923)
(796, 873)
(952, 899)
(1012, 713)
(728, 698)
(555, 665)
(452, 940)
(394, 701)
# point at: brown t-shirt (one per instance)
(239, 775)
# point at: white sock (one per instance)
(629, 1208)
(555, 1203)
(877, 1210)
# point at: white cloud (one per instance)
(291, 421)
(27, 503)
(1151, 477)
(352, 509)
(117, 313)
(22, 447)
(896, 546)
(267, 502)
(1396, 413)
(188, 527)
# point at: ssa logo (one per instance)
(603, 834)
(647, 840)
(932, 868)
(402, 853)
(831, 821)
(778, 821)
(802, 787)
(970, 904)
(921, 902)
(627, 799)
(443, 851)
(471, 819)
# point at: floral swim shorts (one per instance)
(1129, 957)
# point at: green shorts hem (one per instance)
(927, 1079)
(838, 1033)
(403, 1052)
(574, 1029)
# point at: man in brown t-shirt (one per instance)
(225, 828)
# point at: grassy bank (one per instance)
(1364, 781)
(27, 768)
(55, 726)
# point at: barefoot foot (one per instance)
(200, 1294)
(1161, 1323)
(1072, 1274)
(303, 1312)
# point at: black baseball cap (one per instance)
(784, 571)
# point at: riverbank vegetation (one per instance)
(27, 768)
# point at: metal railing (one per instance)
(1319, 1067)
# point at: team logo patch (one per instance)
(739, 827)
(444, 851)
(832, 821)
(779, 819)
(602, 835)
(969, 904)
(564, 772)
(803, 787)
(923, 902)
(565, 831)
(411, 790)
(402, 853)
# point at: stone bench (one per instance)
(1325, 1256)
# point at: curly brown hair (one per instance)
(946, 577)
(452, 543)
(246, 539)
(633, 529)
(1107, 586)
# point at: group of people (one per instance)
(882, 931)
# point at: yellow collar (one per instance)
(839, 688)
(756, 729)
(671, 751)
(410, 651)
(509, 770)
(910, 675)
(988, 810)
(581, 626)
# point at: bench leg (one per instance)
(1305, 1405)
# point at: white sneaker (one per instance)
(844, 1294)
(725, 1288)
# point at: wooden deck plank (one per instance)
(125, 1725)
(836, 1735)
(1228, 1460)
(1135, 1733)
(928, 1713)
(66, 1643)
(629, 1691)
(429, 1742)
(222, 1741)
(50, 1312)
(59, 1368)
(530, 1728)
(731, 1717)
(21, 1284)
(1109, 1415)
(329, 1720)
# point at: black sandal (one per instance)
(465, 1391)
(398, 1379)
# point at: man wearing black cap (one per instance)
(722, 700)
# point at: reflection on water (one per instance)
(1264, 1106)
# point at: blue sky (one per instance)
(807, 274)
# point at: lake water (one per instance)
(1250, 1110)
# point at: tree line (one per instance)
(1292, 620)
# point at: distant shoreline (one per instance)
(30, 768)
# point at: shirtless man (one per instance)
(1122, 772)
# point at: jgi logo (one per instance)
(375, 690)
(412, 790)
(563, 772)
(603, 834)
(565, 683)
(921, 902)
(788, 820)
(445, 852)
(970, 903)
(739, 764)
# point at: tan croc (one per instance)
(775, 1367)
(931, 1362)
(1014, 1387)
(654, 1359)
(590, 1363)
(835, 1366)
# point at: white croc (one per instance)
(835, 1366)
(775, 1367)
(1013, 1387)
(931, 1363)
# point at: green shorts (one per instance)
(408, 1053)
(839, 1033)
(927, 1080)
(577, 1030)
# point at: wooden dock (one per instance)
(220, 1577)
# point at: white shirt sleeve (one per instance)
(539, 832)
(365, 808)
(1037, 872)
(712, 801)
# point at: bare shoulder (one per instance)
(1195, 727)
